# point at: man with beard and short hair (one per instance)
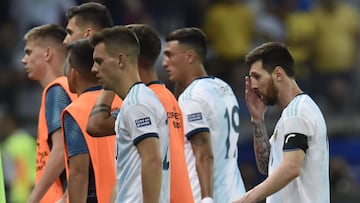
(296, 158)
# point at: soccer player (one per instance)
(86, 19)
(296, 158)
(141, 125)
(150, 47)
(211, 118)
(83, 22)
(44, 62)
(90, 168)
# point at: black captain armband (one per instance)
(295, 141)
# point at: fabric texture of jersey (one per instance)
(180, 188)
(303, 116)
(56, 101)
(101, 149)
(141, 116)
(209, 104)
(74, 139)
(55, 192)
(76, 144)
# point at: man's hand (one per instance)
(246, 198)
(255, 105)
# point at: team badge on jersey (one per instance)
(143, 122)
(195, 117)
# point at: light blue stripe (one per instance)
(294, 107)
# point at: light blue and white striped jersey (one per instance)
(303, 116)
(209, 104)
(141, 116)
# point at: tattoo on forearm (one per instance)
(100, 108)
(261, 146)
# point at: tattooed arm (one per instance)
(100, 122)
(201, 146)
(261, 146)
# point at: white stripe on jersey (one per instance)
(303, 116)
(209, 103)
(141, 115)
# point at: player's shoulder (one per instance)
(141, 94)
(302, 104)
(206, 87)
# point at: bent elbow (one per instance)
(92, 131)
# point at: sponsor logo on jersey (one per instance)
(143, 122)
(194, 117)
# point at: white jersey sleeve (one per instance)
(195, 118)
(140, 123)
(300, 125)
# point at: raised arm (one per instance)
(257, 111)
(101, 122)
(261, 146)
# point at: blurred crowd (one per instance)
(323, 36)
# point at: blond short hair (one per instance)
(50, 31)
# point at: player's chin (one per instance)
(106, 87)
(31, 76)
(172, 78)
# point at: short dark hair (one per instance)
(150, 43)
(91, 12)
(117, 39)
(272, 54)
(50, 31)
(193, 37)
(80, 58)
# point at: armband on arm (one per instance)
(295, 141)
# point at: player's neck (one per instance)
(195, 72)
(147, 75)
(82, 86)
(49, 77)
(290, 90)
(125, 83)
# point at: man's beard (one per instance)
(270, 98)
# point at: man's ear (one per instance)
(190, 56)
(278, 73)
(74, 75)
(88, 32)
(49, 52)
(122, 60)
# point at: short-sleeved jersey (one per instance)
(209, 104)
(56, 100)
(302, 116)
(141, 116)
